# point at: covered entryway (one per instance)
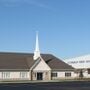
(39, 76)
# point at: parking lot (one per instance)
(83, 85)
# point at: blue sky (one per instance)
(63, 26)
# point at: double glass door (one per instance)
(39, 76)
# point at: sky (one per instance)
(63, 26)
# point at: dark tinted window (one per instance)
(67, 74)
(54, 74)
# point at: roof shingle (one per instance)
(24, 61)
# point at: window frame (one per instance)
(68, 74)
(5, 75)
(88, 71)
(54, 74)
(23, 75)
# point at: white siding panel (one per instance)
(16, 76)
(61, 74)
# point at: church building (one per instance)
(33, 66)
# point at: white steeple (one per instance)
(37, 51)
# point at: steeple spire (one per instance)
(37, 51)
(37, 43)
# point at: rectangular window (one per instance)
(54, 74)
(67, 74)
(81, 61)
(88, 71)
(88, 61)
(5, 75)
(23, 74)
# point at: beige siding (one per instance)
(46, 75)
(44, 69)
(0, 75)
(41, 66)
(61, 75)
(16, 75)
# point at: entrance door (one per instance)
(39, 76)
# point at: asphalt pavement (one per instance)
(77, 85)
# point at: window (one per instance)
(88, 61)
(5, 75)
(23, 74)
(54, 74)
(88, 71)
(81, 61)
(67, 74)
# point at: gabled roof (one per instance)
(56, 63)
(24, 61)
